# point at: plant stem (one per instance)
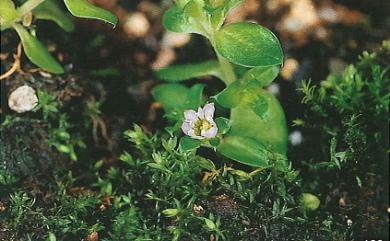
(28, 6)
(227, 70)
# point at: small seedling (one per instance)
(20, 19)
(248, 60)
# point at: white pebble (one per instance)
(295, 138)
(23, 99)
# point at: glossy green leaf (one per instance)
(175, 20)
(259, 105)
(194, 9)
(170, 96)
(194, 97)
(248, 44)
(178, 73)
(8, 13)
(49, 10)
(245, 150)
(231, 96)
(37, 52)
(84, 9)
(187, 143)
(270, 129)
(223, 125)
(263, 75)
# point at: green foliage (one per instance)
(161, 192)
(12, 17)
(178, 73)
(248, 44)
(84, 9)
(256, 116)
(36, 52)
(349, 116)
(49, 10)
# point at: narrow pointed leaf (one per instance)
(37, 52)
(49, 10)
(84, 9)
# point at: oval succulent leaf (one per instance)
(8, 13)
(84, 9)
(175, 20)
(231, 96)
(263, 75)
(245, 150)
(178, 73)
(248, 44)
(49, 10)
(170, 96)
(37, 52)
(188, 144)
(194, 97)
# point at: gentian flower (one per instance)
(200, 125)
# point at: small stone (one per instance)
(175, 40)
(295, 138)
(290, 66)
(349, 222)
(136, 25)
(23, 99)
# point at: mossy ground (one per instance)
(69, 171)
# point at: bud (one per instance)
(309, 202)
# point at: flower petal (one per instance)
(190, 115)
(186, 127)
(192, 134)
(209, 110)
(210, 133)
(200, 113)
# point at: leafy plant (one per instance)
(256, 133)
(20, 19)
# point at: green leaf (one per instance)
(175, 20)
(170, 96)
(194, 97)
(223, 125)
(245, 150)
(259, 105)
(8, 13)
(178, 73)
(49, 10)
(231, 96)
(84, 9)
(263, 75)
(187, 143)
(269, 130)
(248, 44)
(37, 52)
(194, 9)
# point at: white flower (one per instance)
(200, 125)
(23, 99)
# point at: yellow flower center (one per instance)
(201, 124)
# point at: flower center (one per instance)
(201, 124)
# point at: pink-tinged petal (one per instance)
(200, 113)
(210, 133)
(190, 115)
(209, 110)
(186, 127)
